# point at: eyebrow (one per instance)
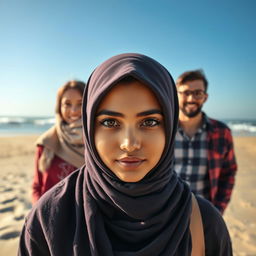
(65, 99)
(150, 112)
(114, 113)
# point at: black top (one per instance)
(133, 218)
(217, 239)
(51, 228)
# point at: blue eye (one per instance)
(151, 122)
(110, 123)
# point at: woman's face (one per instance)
(129, 131)
(71, 103)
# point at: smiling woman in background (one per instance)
(60, 150)
(126, 200)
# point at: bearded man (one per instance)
(204, 152)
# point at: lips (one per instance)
(130, 162)
(74, 118)
(191, 104)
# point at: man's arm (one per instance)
(227, 175)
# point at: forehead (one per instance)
(192, 85)
(134, 96)
(71, 94)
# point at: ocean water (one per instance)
(17, 125)
(242, 127)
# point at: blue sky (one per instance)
(45, 43)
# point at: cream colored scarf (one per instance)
(63, 140)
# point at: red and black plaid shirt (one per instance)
(222, 165)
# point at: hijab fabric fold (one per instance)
(65, 141)
(149, 217)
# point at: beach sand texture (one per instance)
(17, 161)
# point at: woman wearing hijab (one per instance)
(60, 150)
(127, 199)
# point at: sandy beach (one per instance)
(17, 161)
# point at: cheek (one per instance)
(155, 144)
(80, 112)
(105, 145)
(64, 113)
(180, 101)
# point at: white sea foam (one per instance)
(27, 120)
(12, 120)
(243, 127)
(44, 121)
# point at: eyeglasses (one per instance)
(197, 94)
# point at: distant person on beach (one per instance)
(127, 199)
(60, 150)
(204, 153)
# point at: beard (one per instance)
(191, 113)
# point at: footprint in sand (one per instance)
(22, 191)
(9, 235)
(22, 175)
(5, 227)
(6, 209)
(4, 189)
(8, 200)
(21, 217)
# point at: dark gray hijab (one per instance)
(149, 217)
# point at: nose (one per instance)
(190, 97)
(74, 109)
(130, 141)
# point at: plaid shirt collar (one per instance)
(207, 122)
(206, 125)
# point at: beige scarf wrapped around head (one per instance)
(63, 140)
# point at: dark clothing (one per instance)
(52, 229)
(152, 214)
(216, 236)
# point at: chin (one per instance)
(192, 114)
(129, 178)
